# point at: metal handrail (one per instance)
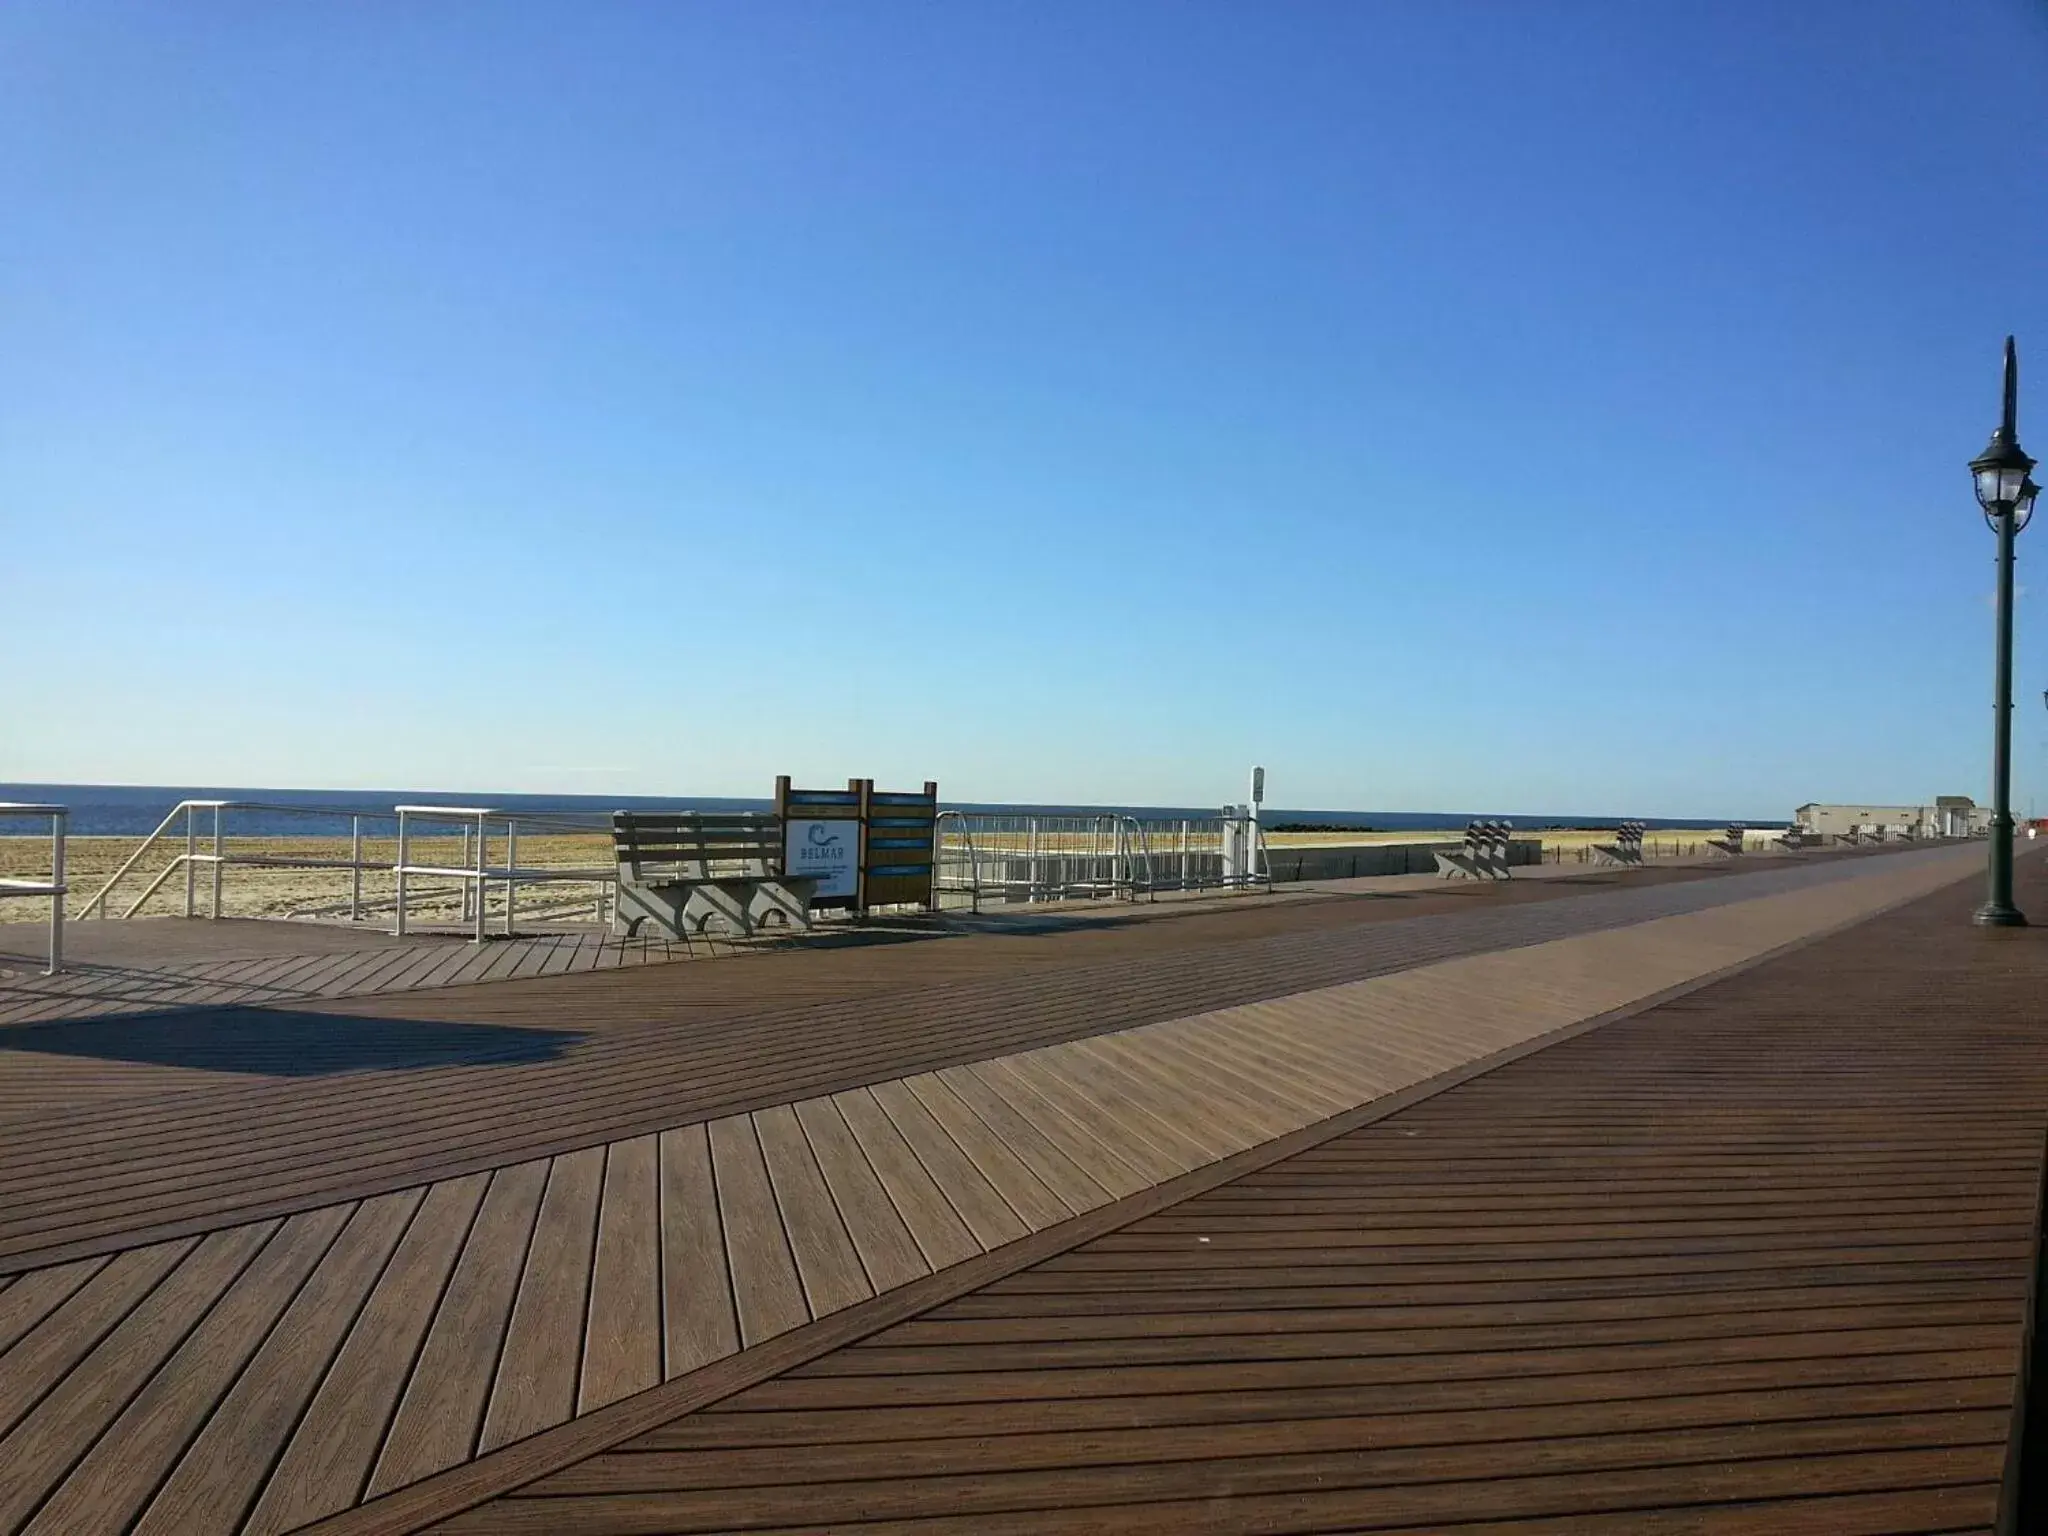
(98, 904)
(966, 836)
(190, 860)
(1050, 858)
(219, 856)
(477, 877)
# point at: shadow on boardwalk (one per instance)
(287, 1042)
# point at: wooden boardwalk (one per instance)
(244, 961)
(1754, 1261)
(152, 964)
(126, 1131)
(422, 1342)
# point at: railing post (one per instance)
(481, 842)
(57, 897)
(219, 850)
(191, 863)
(398, 872)
(511, 870)
(355, 858)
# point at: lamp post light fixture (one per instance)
(2006, 491)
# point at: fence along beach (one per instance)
(300, 830)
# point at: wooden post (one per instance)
(865, 788)
(782, 821)
(931, 789)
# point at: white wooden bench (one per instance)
(1493, 847)
(1626, 851)
(1730, 845)
(1484, 856)
(682, 871)
(1460, 863)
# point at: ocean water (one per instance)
(130, 810)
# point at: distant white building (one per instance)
(1947, 816)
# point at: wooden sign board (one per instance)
(821, 840)
(865, 847)
(902, 846)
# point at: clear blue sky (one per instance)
(1545, 407)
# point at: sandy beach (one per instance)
(315, 893)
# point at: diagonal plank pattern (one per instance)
(374, 964)
(1753, 1262)
(264, 1374)
(532, 1068)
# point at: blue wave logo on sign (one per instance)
(824, 850)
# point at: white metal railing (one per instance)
(53, 887)
(205, 828)
(217, 855)
(476, 871)
(1055, 858)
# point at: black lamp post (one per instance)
(2006, 493)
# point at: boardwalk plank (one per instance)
(1099, 1107)
(1846, 1387)
(543, 1352)
(622, 1348)
(427, 958)
(826, 1261)
(327, 1462)
(39, 1294)
(1268, 1065)
(1192, 1076)
(219, 1477)
(108, 1488)
(698, 1320)
(506, 955)
(1028, 1140)
(889, 1255)
(1680, 1425)
(987, 1214)
(1090, 1149)
(69, 1332)
(941, 1236)
(766, 1288)
(1036, 1204)
(44, 1446)
(441, 1412)
(1391, 1488)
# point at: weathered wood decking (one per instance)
(276, 1106)
(426, 1318)
(153, 964)
(1752, 1261)
(157, 963)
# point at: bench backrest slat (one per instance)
(657, 846)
